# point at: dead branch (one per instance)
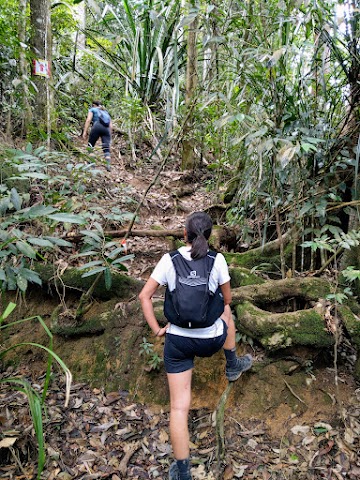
(274, 245)
(129, 449)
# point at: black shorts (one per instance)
(179, 352)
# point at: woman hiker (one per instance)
(184, 342)
(100, 128)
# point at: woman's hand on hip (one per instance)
(162, 331)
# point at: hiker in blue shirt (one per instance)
(101, 123)
(185, 340)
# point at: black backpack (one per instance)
(191, 304)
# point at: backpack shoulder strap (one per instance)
(211, 255)
(210, 259)
(173, 256)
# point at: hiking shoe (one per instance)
(242, 365)
(174, 472)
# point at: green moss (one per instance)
(258, 326)
(156, 227)
(177, 243)
(352, 324)
(275, 331)
(241, 277)
(100, 370)
(315, 289)
(252, 259)
(89, 327)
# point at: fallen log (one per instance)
(75, 237)
(273, 245)
(308, 288)
(220, 235)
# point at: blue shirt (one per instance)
(95, 112)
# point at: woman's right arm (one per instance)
(87, 123)
(145, 298)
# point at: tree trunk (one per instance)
(23, 67)
(188, 159)
(41, 50)
(80, 39)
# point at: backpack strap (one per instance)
(210, 257)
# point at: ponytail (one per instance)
(198, 230)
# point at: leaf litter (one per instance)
(109, 436)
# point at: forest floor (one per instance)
(106, 435)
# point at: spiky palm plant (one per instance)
(139, 41)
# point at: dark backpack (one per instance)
(191, 304)
(104, 118)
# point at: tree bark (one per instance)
(24, 67)
(41, 49)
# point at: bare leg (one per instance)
(180, 400)
(228, 319)
(235, 366)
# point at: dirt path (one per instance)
(286, 434)
(174, 196)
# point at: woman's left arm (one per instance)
(145, 298)
(226, 291)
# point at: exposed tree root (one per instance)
(220, 437)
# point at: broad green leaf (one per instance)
(40, 211)
(26, 249)
(59, 242)
(67, 218)
(30, 275)
(351, 274)
(15, 199)
(22, 283)
(110, 244)
(86, 254)
(40, 242)
(98, 227)
(90, 233)
(188, 19)
(122, 259)
(307, 147)
(116, 252)
(90, 264)
(121, 267)
(93, 272)
(37, 175)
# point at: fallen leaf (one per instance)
(300, 429)
(7, 442)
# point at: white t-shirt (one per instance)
(164, 274)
